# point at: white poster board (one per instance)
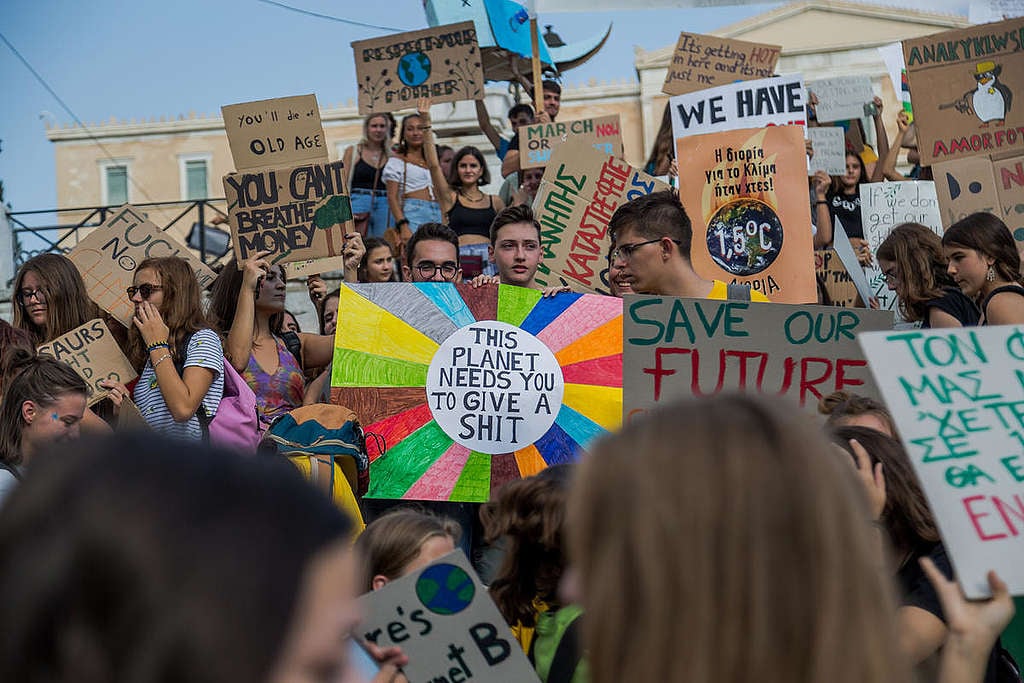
(883, 206)
(841, 243)
(957, 396)
(747, 104)
(829, 145)
(841, 98)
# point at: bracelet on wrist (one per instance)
(158, 345)
(400, 223)
(820, 201)
(160, 360)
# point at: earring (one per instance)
(990, 276)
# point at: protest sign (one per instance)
(108, 256)
(296, 213)
(963, 83)
(468, 388)
(957, 400)
(129, 418)
(892, 55)
(695, 347)
(701, 62)
(446, 624)
(747, 104)
(843, 248)
(883, 206)
(316, 266)
(829, 145)
(536, 142)
(271, 133)
(841, 98)
(441, 62)
(581, 189)
(1009, 177)
(746, 194)
(965, 186)
(837, 281)
(94, 354)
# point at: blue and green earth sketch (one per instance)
(414, 68)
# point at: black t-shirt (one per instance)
(1016, 289)
(846, 207)
(957, 304)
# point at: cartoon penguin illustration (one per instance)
(990, 100)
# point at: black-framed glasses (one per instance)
(891, 277)
(26, 295)
(427, 269)
(625, 252)
(144, 289)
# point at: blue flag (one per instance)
(511, 27)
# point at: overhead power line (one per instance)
(351, 22)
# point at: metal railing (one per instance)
(31, 238)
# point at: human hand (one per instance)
(822, 182)
(673, 168)
(877, 101)
(874, 303)
(353, 252)
(548, 292)
(812, 101)
(254, 269)
(481, 280)
(809, 149)
(542, 117)
(902, 121)
(863, 251)
(973, 625)
(151, 325)
(423, 108)
(872, 478)
(317, 288)
(117, 393)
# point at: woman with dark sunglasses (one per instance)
(177, 353)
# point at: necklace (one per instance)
(473, 199)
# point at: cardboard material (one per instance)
(581, 189)
(109, 255)
(130, 419)
(442, 63)
(746, 194)
(956, 395)
(841, 98)
(846, 254)
(965, 186)
(94, 354)
(674, 347)
(829, 144)
(296, 213)
(703, 62)
(837, 281)
(1009, 177)
(536, 142)
(750, 104)
(967, 86)
(447, 624)
(302, 269)
(285, 131)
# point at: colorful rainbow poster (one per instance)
(461, 390)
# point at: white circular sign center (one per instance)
(494, 388)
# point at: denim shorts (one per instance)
(361, 200)
(420, 211)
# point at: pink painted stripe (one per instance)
(438, 482)
(587, 314)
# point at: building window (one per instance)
(116, 190)
(194, 171)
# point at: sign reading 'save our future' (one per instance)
(958, 400)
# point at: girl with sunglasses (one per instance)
(178, 355)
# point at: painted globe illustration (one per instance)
(445, 589)
(414, 68)
(744, 236)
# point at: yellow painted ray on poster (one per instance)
(369, 328)
(602, 405)
(530, 461)
(602, 341)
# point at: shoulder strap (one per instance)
(293, 343)
(179, 365)
(567, 655)
(352, 160)
(735, 291)
(999, 290)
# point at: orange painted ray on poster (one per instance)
(605, 372)
(602, 405)
(371, 329)
(529, 461)
(604, 341)
(396, 428)
(438, 482)
(585, 315)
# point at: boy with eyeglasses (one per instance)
(651, 239)
(432, 255)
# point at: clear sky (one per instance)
(152, 58)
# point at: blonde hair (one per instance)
(392, 541)
(721, 540)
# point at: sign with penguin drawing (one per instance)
(968, 88)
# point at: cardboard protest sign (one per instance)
(581, 189)
(302, 269)
(694, 347)
(447, 624)
(94, 354)
(837, 282)
(746, 194)
(536, 142)
(883, 206)
(108, 256)
(470, 388)
(841, 98)
(844, 250)
(441, 62)
(130, 419)
(964, 82)
(296, 213)
(1009, 177)
(703, 62)
(829, 145)
(965, 186)
(271, 133)
(747, 104)
(957, 399)
(895, 65)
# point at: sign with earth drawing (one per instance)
(442, 63)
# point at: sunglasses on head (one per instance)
(144, 289)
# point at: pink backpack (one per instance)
(236, 424)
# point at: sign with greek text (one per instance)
(94, 354)
(964, 83)
(536, 142)
(965, 186)
(677, 347)
(109, 255)
(957, 396)
(746, 194)
(272, 133)
(441, 62)
(581, 189)
(1009, 178)
(701, 62)
(296, 213)
(747, 104)
(829, 145)
(446, 624)
(468, 388)
(841, 98)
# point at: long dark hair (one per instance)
(453, 172)
(986, 234)
(224, 298)
(917, 252)
(403, 146)
(837, 181)
(68, 303)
